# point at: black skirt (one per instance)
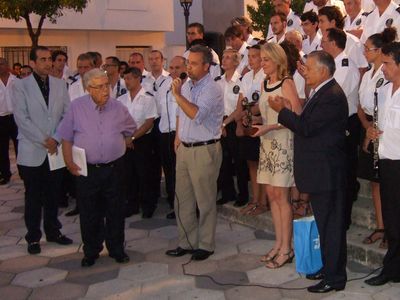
(366, 160)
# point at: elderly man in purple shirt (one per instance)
(103, 127)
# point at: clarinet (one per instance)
(375, 126)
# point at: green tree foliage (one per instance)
(261, 13)
(19, 10)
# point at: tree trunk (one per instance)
(32, 34)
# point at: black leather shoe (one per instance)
(73, 212)
(171, 215)
(201, 254)
(239, 203)
(315, 276)
(323, 287)
(222, 201)
(121, 258)
(178, 252)
(381, 279)
(34, 248)
(88, 261)
(131, 212)
(147, 215)
(61, 239)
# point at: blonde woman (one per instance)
(275, 168)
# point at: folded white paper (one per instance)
(56, 160)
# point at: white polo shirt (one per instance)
(389, 123)
(141, 108)
(348, 77)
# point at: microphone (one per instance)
(182, 76)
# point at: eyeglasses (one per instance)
(104, 86)
(369, 49)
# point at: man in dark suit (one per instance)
(320, 163)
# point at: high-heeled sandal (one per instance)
(274, 264)
(257, 210)
(248, 208)
(376, 235)
(384, 243)
(269, 256)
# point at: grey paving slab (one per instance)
(255, 293)
(223, 227)
(59, 291)
(348, 296)
(226, 280)
(224, 251)
(240, 262)
(150, 224)
(147, 245)
(264, 235)
(135, 234)
(194, 268)
(18, 231)
(70, 228)
(171, 286)
(14, 292)
(297, 289)
(8, 240)
(5, 209)
(114, 289)
(256, 247)
(12, 251)
(234, 237)
(143, 272)
(9, 198)
(24, 263)
(6, 278)
(39, 277)
(92, 276)
(159, 256)
(19, 209)
(391, 293)
(264, 275)
(194, 294)
(11, 216)
(8, 225)
(54, 250)
(167, 232)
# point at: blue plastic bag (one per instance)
(306, 246)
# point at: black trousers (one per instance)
(352, 143)
(139, 172)
(329, 209)
(8, 130)
(156, 160)
(389, 175)
(168, 161)
(42, 190)
(101, 206)
(233, 164)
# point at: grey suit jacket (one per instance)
(36, 122)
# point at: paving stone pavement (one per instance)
(56, 272)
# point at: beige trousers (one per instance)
(197, 170)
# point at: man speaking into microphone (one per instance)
(198, 155)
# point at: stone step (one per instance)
(367, 255)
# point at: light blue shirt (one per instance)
(206, 125)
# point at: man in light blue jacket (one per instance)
(40, 102)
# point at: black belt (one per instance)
(197, 144)
(102, 165)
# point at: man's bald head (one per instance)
(177, 66)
